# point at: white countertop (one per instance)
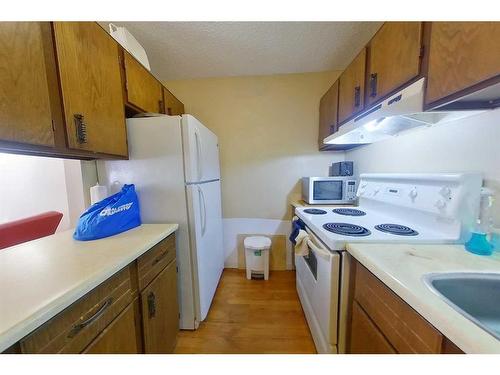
(39, 279)
(401, 268)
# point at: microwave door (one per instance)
(327, 191)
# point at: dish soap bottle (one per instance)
(478, 243)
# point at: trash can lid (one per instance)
(257, 242)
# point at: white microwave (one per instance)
(329, 190)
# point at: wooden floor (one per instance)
(251, 316)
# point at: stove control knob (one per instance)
(440, 204)
(445, 192)
(413, 194)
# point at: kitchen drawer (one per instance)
(155, 260)
(404, 328)
(74, 328)
(366, 338)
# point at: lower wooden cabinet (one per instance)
(160, 312)
(134, 311)
(366, 338)
(120, 337)
(381, 322)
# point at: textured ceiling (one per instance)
(185, 50)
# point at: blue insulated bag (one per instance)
(115, 214)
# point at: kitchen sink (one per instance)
(474, 295)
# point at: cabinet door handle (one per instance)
(161, 106)
(332, 129)
(357, 96)
(80, 127)
(151, 305)
(78, 327)
(373, 85)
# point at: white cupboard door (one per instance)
(201, 151)
(206, 234)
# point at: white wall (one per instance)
(471, 144)
(31, 185)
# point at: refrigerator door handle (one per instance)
(199, 160)
(203, 208)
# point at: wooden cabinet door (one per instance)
(173, 106)
(143, 90)
(352, 88)
(328, 114)
(120, 337)
(91, 88)
(160, 312)
(393, 58)
(365, 337)
(25, 110)
(461, 54)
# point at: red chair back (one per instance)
(30, 228)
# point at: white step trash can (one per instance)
(257, 255)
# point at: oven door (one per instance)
(318, 289)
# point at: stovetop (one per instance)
(336, 226)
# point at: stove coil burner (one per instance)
(349, 212)
(399, 230)
(347, 229)
(315, 211)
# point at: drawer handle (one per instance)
(151, 305)
(78, 327)
(159, 258)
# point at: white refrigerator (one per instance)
(174, 164)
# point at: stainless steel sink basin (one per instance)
(474, 295)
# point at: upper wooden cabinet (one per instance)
(461, 55)
(393, 58)
(328, 114)
(352, 88)
(173, 106)
(91, 88)
(142, 88)
(26, 114)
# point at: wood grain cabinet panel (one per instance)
(25, 108)
(72, 330)
(366, 338)
(150, 264)
(120, 337)
(461, 54)
(143, 89)
(405, 329)
(393, 58)
(328, 107)
(91, 87)
(173, 106)
(352, 88)
(160, 312)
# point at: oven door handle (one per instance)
(323, 253)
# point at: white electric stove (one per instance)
(392, 208)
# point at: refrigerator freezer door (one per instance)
(156, 168)
(205, 216)
(201, 151)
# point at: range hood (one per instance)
(399, 113)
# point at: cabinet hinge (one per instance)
(422, 51)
